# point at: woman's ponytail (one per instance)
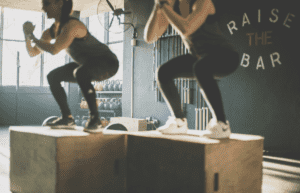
(65, 12)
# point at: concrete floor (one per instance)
(280, 175)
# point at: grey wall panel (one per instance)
(7, 108)
(35, 108)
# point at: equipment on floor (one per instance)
(49, 120)
(116, 126)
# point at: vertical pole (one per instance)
(196, 119)
(18, 71)
(17, 85)
(42, 55)
(200, 118)
(197, 109)
(154, 65)
(1, 42)
(132, 80)
(158, 64)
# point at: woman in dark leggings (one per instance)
(94, 61)
(211, 58)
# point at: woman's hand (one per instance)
(160, 2)
(28, 28)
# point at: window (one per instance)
(29, 70)
(48, 22)
(14, 20)
(96, 28)
(9, 62)
(115, 40)
(118, 50)
(33, 70)
(113, 37)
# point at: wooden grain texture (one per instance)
(238, 164)
(176, 163)
(32, 162)
(45, 160)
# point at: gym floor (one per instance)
(280, 175)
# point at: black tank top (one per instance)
(208, 36)
(82, 50)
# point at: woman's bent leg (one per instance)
(55, 77)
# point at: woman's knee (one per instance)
(200, 69)
(53, 78)
(163, 74)
(81, 73)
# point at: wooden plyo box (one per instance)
(66, 161)
(132, 124)
(159, 163)
(44, 160)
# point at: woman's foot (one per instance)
(174, 126)
(217, 130)
(92, 124)
(62, 121)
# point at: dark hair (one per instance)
(65, 13)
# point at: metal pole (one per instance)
(18, 71)
(17, 85)
(132, 79)
(154, 65)
(158, 57)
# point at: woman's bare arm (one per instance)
(34, 51)
(156, 25)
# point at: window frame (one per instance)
(67, 58)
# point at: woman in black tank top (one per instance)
(215, 63)
(73, 36)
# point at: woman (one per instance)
(94, 61)
(211, 58)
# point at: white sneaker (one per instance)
(174, 126)
(217, 130)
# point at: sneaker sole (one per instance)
(174, 132)
(97, 130)
(71, 127)
(216, 137)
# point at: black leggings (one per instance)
(213, 65)
(83, 75)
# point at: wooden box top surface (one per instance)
(193, 136)
(40, 130)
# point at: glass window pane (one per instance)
(116, 27)
(14, 20)
(84, 20)
(118, 50)
(29, 70)
(48, 22)
(51, 62)
(95, 28)
(9, 63)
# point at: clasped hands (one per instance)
(28, 29)
(160, 3)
